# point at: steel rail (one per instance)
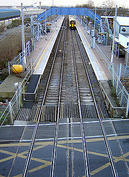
(114, 172)
(39, 114)
(85, 151)
(58, 110)
(16, 153)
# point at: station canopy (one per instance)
(68, 11)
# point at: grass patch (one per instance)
(11, 45)
(113, 93)
(2, 27)
(14, 23)
(7, 120)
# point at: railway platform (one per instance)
(99, 59)
(38, 58)
(100, 72)
(44, 47)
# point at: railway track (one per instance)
(69, 102)
(97, 107)
(70, 97)
(80, 96)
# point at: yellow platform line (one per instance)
(41, 57)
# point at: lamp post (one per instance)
(114, 35)
(23, 37)
(40, 5)
(45, 22)
(94, 29)
(93, 32)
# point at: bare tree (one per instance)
(108, 3)
(90, 3)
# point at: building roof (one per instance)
(123, 21)
(9, 13)
(106, 16)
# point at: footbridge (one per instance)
(68, 11)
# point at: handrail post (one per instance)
(122, 92)
(118, 78)
(127, 107)
(19, 94)
(9, 67)
(11, 112)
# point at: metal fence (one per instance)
(125, 71)
(14, 105)
(11, 111)
(19, 58)
(121, 91)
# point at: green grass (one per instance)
(113, 93)
(7, 121)
(14, 23)
(2, 28)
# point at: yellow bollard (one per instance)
(17, 69)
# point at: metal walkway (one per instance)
(69, 11)
(69, 161)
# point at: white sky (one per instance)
(122, 3)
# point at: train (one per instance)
(72, 23)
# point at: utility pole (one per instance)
(40, 5)
(45, 22)
(93, 32)
(114, 35)
(23, 37)
(94, 29)
(94, 20)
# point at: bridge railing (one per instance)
(115, 111)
